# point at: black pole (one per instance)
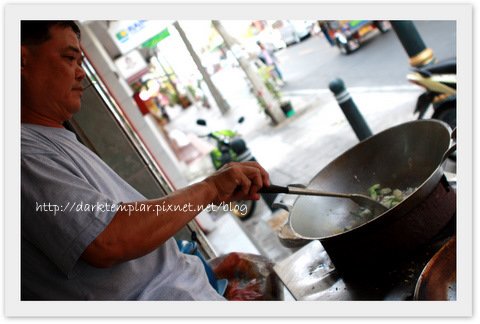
(350, 110)
(412, 42)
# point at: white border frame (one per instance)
(15, 12)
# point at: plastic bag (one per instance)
(250, 277)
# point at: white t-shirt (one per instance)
(68, 198)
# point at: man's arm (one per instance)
(135, 233)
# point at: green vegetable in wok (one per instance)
(388, 197)
(373, 191)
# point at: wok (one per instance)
(407, 155)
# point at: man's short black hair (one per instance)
(35, 32)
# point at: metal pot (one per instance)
(438, 280)
(407, 155)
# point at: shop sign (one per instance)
(152, 42)
(130, 34)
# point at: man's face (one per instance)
(51, 77)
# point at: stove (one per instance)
(309, 273)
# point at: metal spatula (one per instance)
(364, 201)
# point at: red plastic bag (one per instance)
(250, 277)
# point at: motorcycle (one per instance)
(231, 147)
(440, 84)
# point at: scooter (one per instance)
(440, 83)
(231, 147)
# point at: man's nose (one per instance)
(80, 74)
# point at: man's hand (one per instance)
(238, 181)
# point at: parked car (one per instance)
(293, 31)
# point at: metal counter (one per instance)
(310, 275)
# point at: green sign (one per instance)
(354, 23)
(152, 42)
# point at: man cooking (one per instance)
(109, 252)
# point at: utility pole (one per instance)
(272, 105)
(217, 96)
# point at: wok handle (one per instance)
(274, 189)
(452, 148)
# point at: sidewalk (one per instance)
(296, 150)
